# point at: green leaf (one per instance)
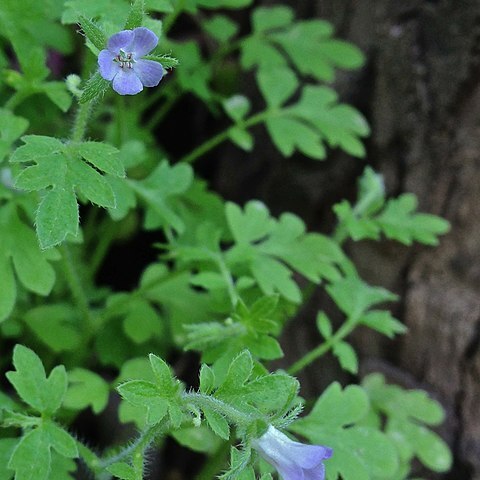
(93, 32)
(237, 107)
(289, 134)
(361, 453)
(31, 458)
(339, 124)
(166, 60)
(199, 439)
(11, 128)
(207, 379)
(271, 249)
(266, 394)
(324, 325)
(407, 411)
(55, 325)
(277, 92)
(221, 28)
(163, 376)
(60, 440)
(248, 226)
(217, 423)
(346, 356)
(135, 16)
(57, 217)
(105, 157)
(382, 321)
(57, 92)
(32, 266)
(365, 296)
(159, 191)
(241, 138)
(142, 321)
(60, 167)
(95, 88)
(85, 389)
(123, 471)
(399, 221)
(6, 448)
(43, 394)
(145, 394)
(270, 18)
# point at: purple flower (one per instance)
(122, 62)
(293, 460)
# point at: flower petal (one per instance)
(143, 42)
(317, 473)
(107, 67)
(120, 40)
(290, 471)
(126, 82)
(308, 456)
(149, 72)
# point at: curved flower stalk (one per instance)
(292, 460)
(122, 63)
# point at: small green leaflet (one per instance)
(11, 128)
(366, 296)
(63, 172)
(43, 394)
(273, 248)
(268, 394)
(32, 457)
(361, 453)
(396, 218)
(159, 191)
(408, 413)
(20, 253)
(248, 328)
(161, 397)
(309, 45)
(85, 389)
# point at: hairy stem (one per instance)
(81, 120)
(76, 287)
(200, 400)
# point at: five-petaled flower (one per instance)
(293, 460)
(121, 61)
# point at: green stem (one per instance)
(232, 293)
(324, 347)
(200, 400)
(139, 445)
(81, 120)
(101, 249)
(76, 287)
(90, 458)
(222, 136)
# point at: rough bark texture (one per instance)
(421, 93)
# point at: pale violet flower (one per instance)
(292, 460)
(122, 63)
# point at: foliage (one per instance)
(227, 277)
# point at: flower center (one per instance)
(124, 60)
